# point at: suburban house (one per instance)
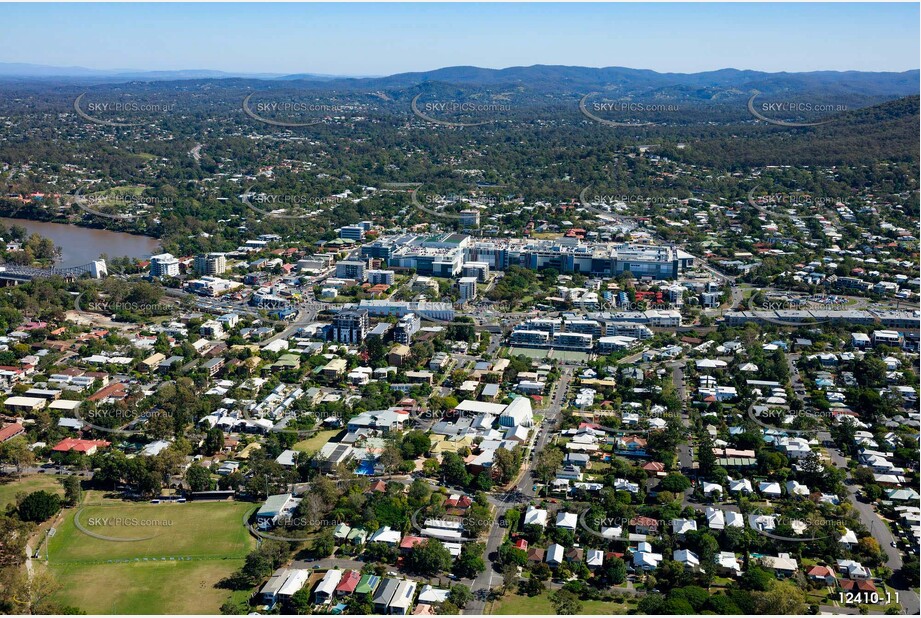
(348, 584)
(380, 599)
(555, 554)
(402, 600)
(326, 589)
(534, 516)
(823, 574)
(782, 564)
(728, 564)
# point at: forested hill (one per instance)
(888, 131)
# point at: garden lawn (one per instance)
(512, 604)
(316, 442)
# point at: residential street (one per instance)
(685, 450)
(521, 492)
(880, 531)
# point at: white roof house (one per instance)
(769, 488)
(612, 532)
(402, 599)
(567, 521)
(740, 485)
(711, 488)
(535, 516)
(625, 485)
(794, 447)
(795, 489)
(554, 554)
(68, 405)
(848, 538)
(798, 526)
(27, 403)
(294, 582)
(155, 448)
(386, 535)
(519, 433)
(686, 557)
(683, 526)
(646, 561)
(480, 407)
(728, 561)
(715, 518)
(287, 458)
(325, 590)
(70, 423)
(763, 523)
(432, 595)
(734, 520)
(781, 562)
(853, 569)
(594, 558)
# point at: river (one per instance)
(82, 245)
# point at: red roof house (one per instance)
(87, 447)
(822, 574)
(112, 391)
(645, 524)
(409, 542)
(857, 585)
(348, 583)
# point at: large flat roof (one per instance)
(480, 407)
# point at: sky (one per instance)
(383, 39)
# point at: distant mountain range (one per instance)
(25, 70)
(857, 88)
(581, 77)
(706, 86)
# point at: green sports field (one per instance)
(145, 588)
(148, 558)
(148, 531)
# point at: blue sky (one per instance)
(381, 39)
